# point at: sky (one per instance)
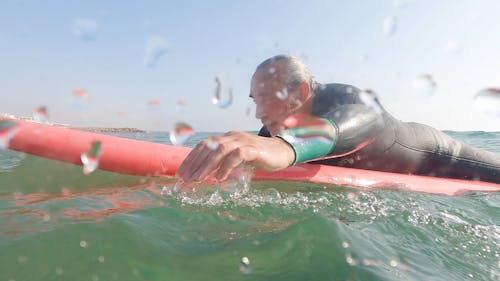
(150, 64)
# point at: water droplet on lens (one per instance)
(452, 48)
(389, 25)
(90, 159)
(223, 96)
(83, 244)
(487, 101)
(80, 93)
(400, 3)
(182, 102)
(85, 29)
(370, 262)
(80, 101)
(154, 104)
(22, 259)
(100, 259)
(181, 133)
(212, 145)
(41, 115)
(393, 263)
(8, 130)
(245, 266)
(59, 270)
(283, 94)
(296, 101)
(364, 57)
(155, 48)
(424, 85)
(370, 99)
(350, 260)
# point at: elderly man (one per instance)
(333, 124)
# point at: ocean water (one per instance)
(58, 224)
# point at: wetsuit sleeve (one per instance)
(353, 126)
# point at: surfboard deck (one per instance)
(135, 157)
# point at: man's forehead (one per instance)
(263, 80)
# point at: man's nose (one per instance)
(259, 112)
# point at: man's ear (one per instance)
(301, 95)
(304, 91)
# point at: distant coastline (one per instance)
(108, 130)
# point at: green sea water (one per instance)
(58, 224)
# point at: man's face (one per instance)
(273, 102)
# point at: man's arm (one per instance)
(232, 149)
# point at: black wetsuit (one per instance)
(370, 138)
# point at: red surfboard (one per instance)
(134, 157)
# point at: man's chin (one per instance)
(275, 130)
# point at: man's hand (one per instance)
(224, 153)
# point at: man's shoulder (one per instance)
(336, 93)
(338, 88)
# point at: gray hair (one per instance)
(297, 71)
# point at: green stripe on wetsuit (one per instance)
(309, 144)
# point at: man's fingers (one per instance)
(233, 160)
(204, 159)
(211, 162)
(196, 156)
(189, 159)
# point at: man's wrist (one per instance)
(310, 143)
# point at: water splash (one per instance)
(223, 96)
(424, 85)
(181, 133)
(85, 29)
(8, 129)
(389, 25)
(90, 159)
(487, 101)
